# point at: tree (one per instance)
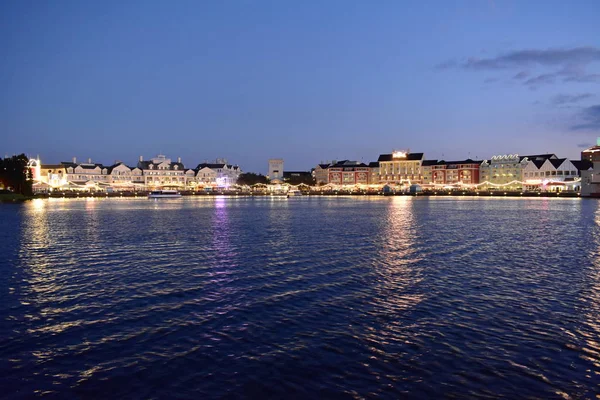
(250, 178)
(15, 175)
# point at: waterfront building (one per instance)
(321, 173)
(348, 173)
(217, 174)
(552, 174)
(593, 153)
(162, 172)
(121, 177)
(447, 173)
(275, 170)
(590, 181)
(401, 168)
(374, 172)
(506, 171)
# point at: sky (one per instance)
(306, 81)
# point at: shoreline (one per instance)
(317, 194)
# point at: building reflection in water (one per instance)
(591, 303)
(396, 265)
(221, 241)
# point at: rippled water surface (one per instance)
(300, 298)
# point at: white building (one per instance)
(553, 174)
(217, 174)
(275, 170)
(506, 171)
(162, 172)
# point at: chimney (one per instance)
(89, 160)
(141, 158)
(74, 160)
(179, 160)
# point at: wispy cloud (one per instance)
(562, 99)
(557, 65)
(589, 119)
(525, 58)
(521, 75)
(584, 145)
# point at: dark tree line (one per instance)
(15, 176)
(250, 178)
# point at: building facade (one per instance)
(451, 173)
(506, 171)
(590, 181)
(275, 170)
(401, 168)
(348, 173)
(554, 175)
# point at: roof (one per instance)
(324, 166)
(557, 162)
(146, 165)
(374, 164)
(409, 157)
(543, 157)
(427, 163)
(211, 166)
(582, 165)
(347, 163)
(538, 163)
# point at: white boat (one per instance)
(293, 193)
(164, 194)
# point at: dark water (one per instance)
(300, 298)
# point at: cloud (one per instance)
(521, 75)
(584, 78)
(447, 65)
(525, 58)
(589, 119)
(561, 99)
(539, 80)
(584, 145)
(557, 65)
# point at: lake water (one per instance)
(320, 297)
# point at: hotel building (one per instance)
(465, 172)
(506, 171)
(401, 168)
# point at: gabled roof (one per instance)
(409, 157)
(557, 162)
(543, 157)
(538, 163)
(324, 166)
(582, 165)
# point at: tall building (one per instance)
(593, 153)
(276, 170)
(401, 168)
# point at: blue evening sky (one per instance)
(307, 81)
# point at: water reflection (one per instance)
(397, 285)
(591, 300)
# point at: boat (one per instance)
(164, 194)
(293, 193)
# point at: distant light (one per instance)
(399, 154)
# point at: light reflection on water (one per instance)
(302, 297)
